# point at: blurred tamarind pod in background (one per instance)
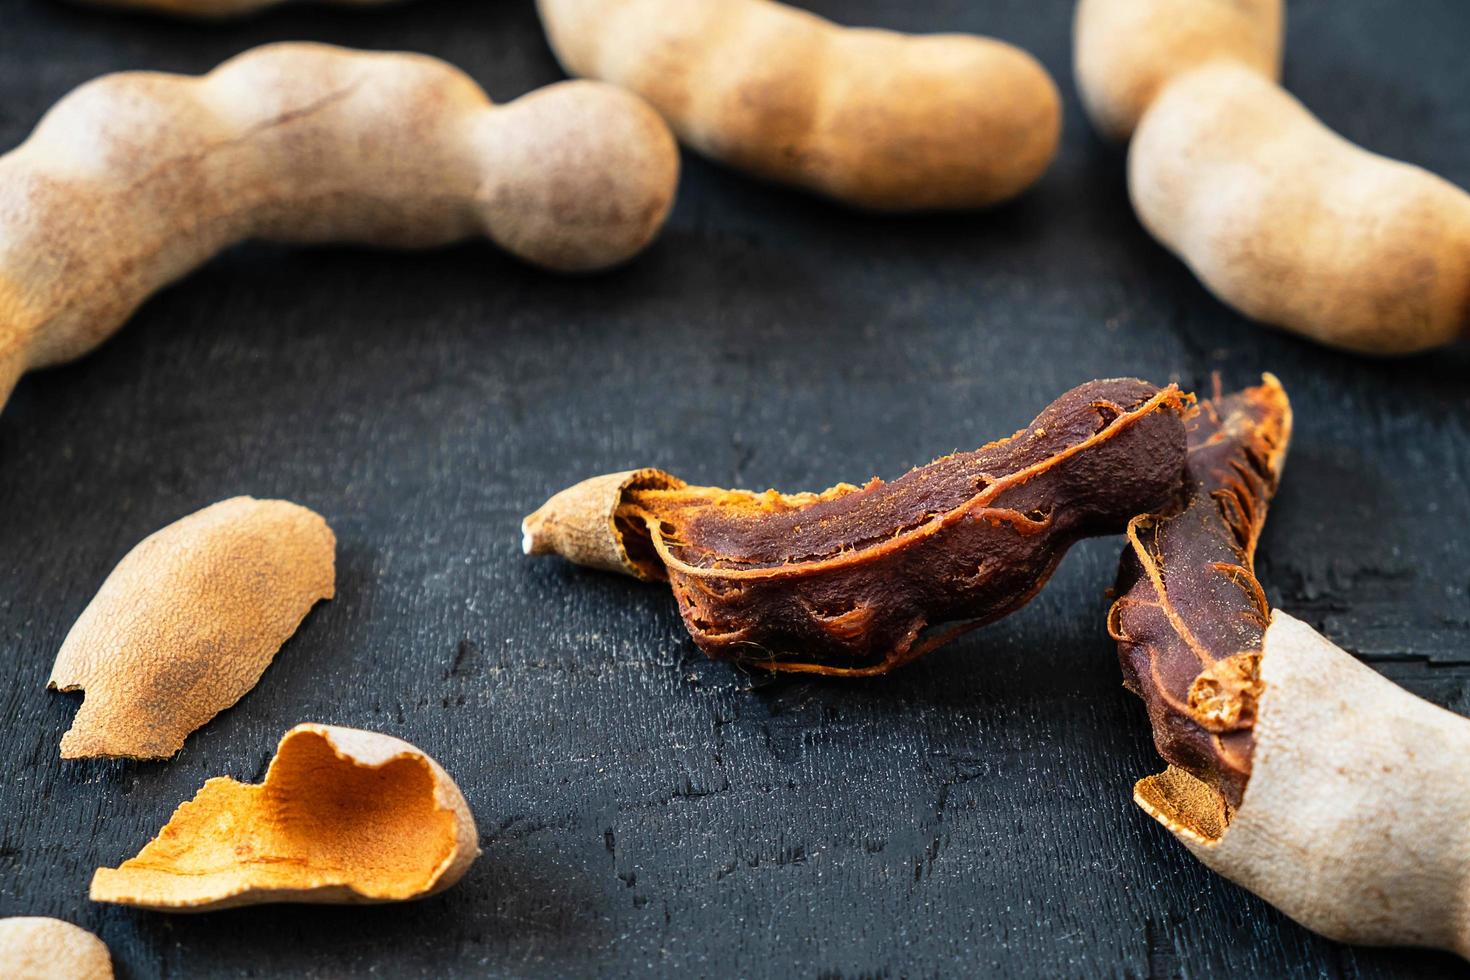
(1277, 215)
(873, 118)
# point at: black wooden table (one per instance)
(643, 809)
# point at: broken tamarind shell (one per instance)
(343, 817)
(188, 621)
(1353, 821)
(856, 581)
(38, 948)
(1295, 770)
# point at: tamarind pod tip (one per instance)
(579, 523)
(1125, 52)
(618, 167)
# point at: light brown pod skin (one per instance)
(1293, 225)
(1278, 216)
(135, 179)
(1354, 820)
(187, 623)
(1125, 51)
(37, 948)
(344, 817)
(877, 119)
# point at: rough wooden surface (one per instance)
(643, 809)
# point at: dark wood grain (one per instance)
(642, 809)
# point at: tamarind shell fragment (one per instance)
(856, 581)
(1191, 618)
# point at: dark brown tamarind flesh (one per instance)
(855, 581)
(1190, 617)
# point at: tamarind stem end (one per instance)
(581, 523)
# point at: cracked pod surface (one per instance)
(343, 817)
(855, 581)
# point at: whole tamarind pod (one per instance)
(1277, 215)
(874, 118)
(1293, 225)
(1294, 770)
(218, 8)
(856, 581)
(135, 179)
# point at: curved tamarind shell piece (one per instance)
(188, 622)
(856, 581)
(135, 179)
(874, 118)
(344, 816)
(1191, 617)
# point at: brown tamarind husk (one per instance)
(874, 118)
(343, 817)
(1354, 820)
(1280, 217)
(134, 179)
(188, 622)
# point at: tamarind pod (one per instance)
(218, 8)
(856, 581)
(1294, 770)
(1278, 216)
(875, 118)
(1190, 617)
(135, 179)
(1353, 822)
(1126, 51)
(1294, 226)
